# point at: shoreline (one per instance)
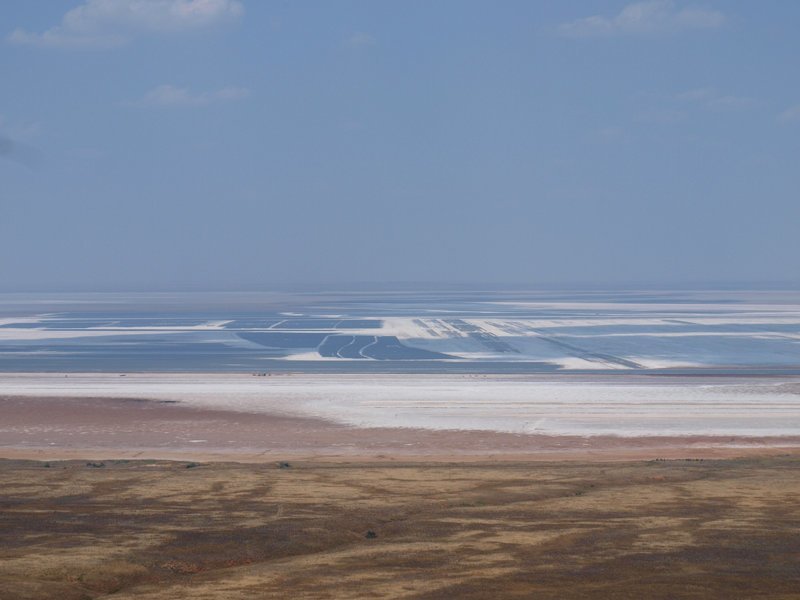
(677, 455)
(395, 418)
(66, 428)
(623, 405)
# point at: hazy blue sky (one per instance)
(250, 144)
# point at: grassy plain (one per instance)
(149, 529)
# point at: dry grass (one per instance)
(156, 530)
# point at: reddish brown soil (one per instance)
(51, 428)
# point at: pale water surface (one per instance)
(434, 332)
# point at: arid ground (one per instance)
(156, 500)
(75, 427)
(160, 529)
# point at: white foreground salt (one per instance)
(543, 405)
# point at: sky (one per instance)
(248, 144)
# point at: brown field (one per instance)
(158, 529)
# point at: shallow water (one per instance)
(418, 332)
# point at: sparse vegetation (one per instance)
(150, 530)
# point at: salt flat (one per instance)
(545, 405)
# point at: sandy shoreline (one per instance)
(62, 428)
